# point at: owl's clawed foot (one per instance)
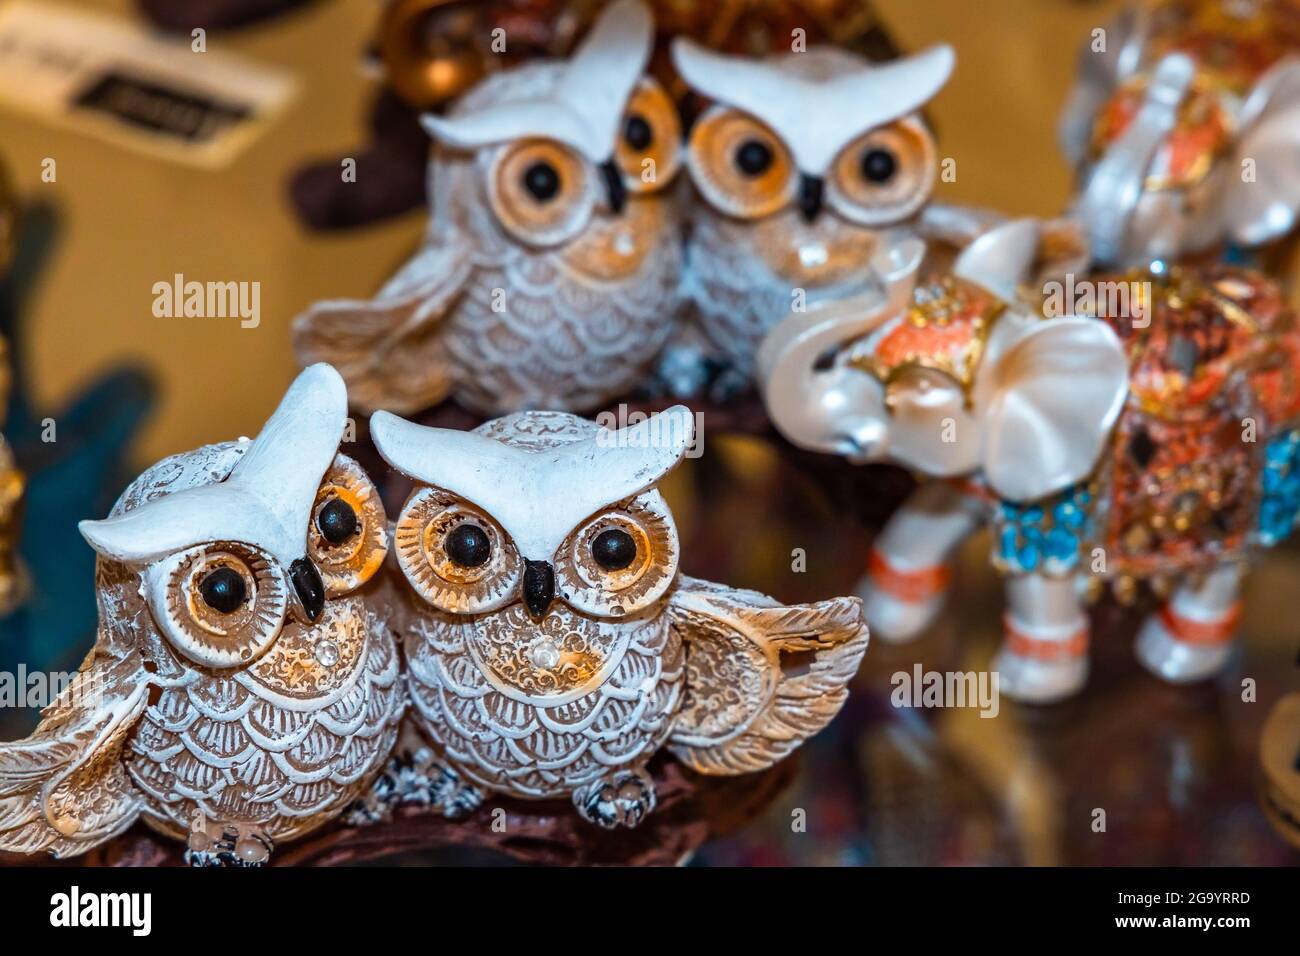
(419, 778)
(622, 798)
(228, 844)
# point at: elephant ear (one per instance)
(1056, 391)
(1266, 207)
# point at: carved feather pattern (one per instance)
(284, 743)
(63, 789)
(535, 749)
(389, 350)
(736, 296)
(742, 712)
(238, 748)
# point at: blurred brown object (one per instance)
(186, 15)
(435, 50)
(8, 230)
(1235, 41)
(1279, 759)
(12, 484)
(691, 809)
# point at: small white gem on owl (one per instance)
(813, 255)
(546, 655)
(327, 653)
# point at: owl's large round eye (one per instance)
(739, 165)
(884, 176)
(455, 556)
(468, 545)
(224, 590)
(649, 146)
(347, 538)
(220, 605)
(540, 191)
(620, 561)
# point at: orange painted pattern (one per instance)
(911, 587)
(1043, 649)
(1206, 633)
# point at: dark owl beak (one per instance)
(309, 587)
(539, 588)
(810, 196)
(615, 191)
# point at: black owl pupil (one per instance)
(468, 545)
(637, 132)
(223, 590)
(613, 549)
(754, 158)
(542, 181)
(336, 521)
(878, 165)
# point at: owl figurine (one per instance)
(804, 161)
(244, 688)
(553, 647)
(550, 273)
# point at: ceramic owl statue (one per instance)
(552, 645)
(1149, 438)
(244, 687)
(549, 276)
(1185, 130)
(802, 163)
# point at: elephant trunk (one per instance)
(819, 404)
(1116, 183)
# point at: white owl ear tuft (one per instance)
(1056, 393)
(620, 38)
(171, 523)
(633, 458)
(299, 441)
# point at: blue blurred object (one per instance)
(1279, 504)
(76, 476)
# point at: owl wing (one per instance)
(761, 677)
(64, 788)
(387, 348)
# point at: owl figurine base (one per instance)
(244, 687)
(553, 647)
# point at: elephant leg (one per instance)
(907, 580)
(1044, 655)
(1191, 636)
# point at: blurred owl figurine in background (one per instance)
(242, 690)
(554, 648)
(804, 162)
(549, 276)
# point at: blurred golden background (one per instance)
(129, 220)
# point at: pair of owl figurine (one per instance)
(254, 659)
(556, 271)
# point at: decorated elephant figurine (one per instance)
(1186, 132)
(1151, 440)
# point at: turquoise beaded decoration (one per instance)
(1046, 536)
(1279, 504)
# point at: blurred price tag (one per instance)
(116, 80)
